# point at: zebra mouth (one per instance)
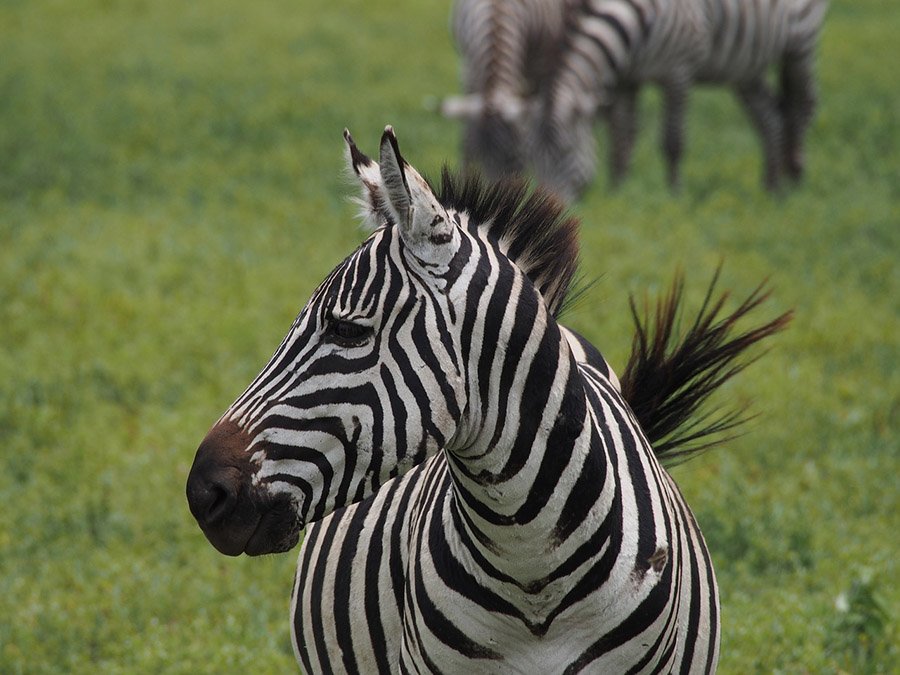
(277, 531)
(256, 530)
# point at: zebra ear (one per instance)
(423, 222)
(375, 211)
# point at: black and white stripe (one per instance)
(507, 49)
(477, 492)
(615, 46)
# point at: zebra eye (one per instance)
(347, 331)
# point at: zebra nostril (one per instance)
(213, 494)
(220, 503)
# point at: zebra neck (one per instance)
(535, 485)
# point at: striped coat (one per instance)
(613, 47)
(508, 49)
(478, 488)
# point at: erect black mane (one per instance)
(669, 376)
(531, 226)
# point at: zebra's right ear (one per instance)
(375, 210)
(421, 219)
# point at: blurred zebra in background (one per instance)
(507, 48)
(612, 47)
(479, 490)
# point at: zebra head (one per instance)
(494, 131)
(562, 143)
(365, 385)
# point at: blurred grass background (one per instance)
(172, 189)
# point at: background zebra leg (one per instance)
(798, 102)
(622, 128)
(763, 109)
(675, 93)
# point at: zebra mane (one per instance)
(531, 226)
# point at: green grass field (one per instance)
(172, 189)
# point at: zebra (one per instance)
(476, 489)
(507, 48)
(615, 46)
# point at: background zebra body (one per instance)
(508, 49)
(615, 46)
(495, 503)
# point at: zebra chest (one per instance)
(391, 581)
(445, 630)
(462, 612)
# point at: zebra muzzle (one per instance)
(218, 490)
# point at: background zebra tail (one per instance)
(671, 374)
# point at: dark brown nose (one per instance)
(218, 489)
(212, 492)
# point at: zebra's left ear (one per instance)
(375, 211)
(424, 224)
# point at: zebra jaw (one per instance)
(235, 515)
